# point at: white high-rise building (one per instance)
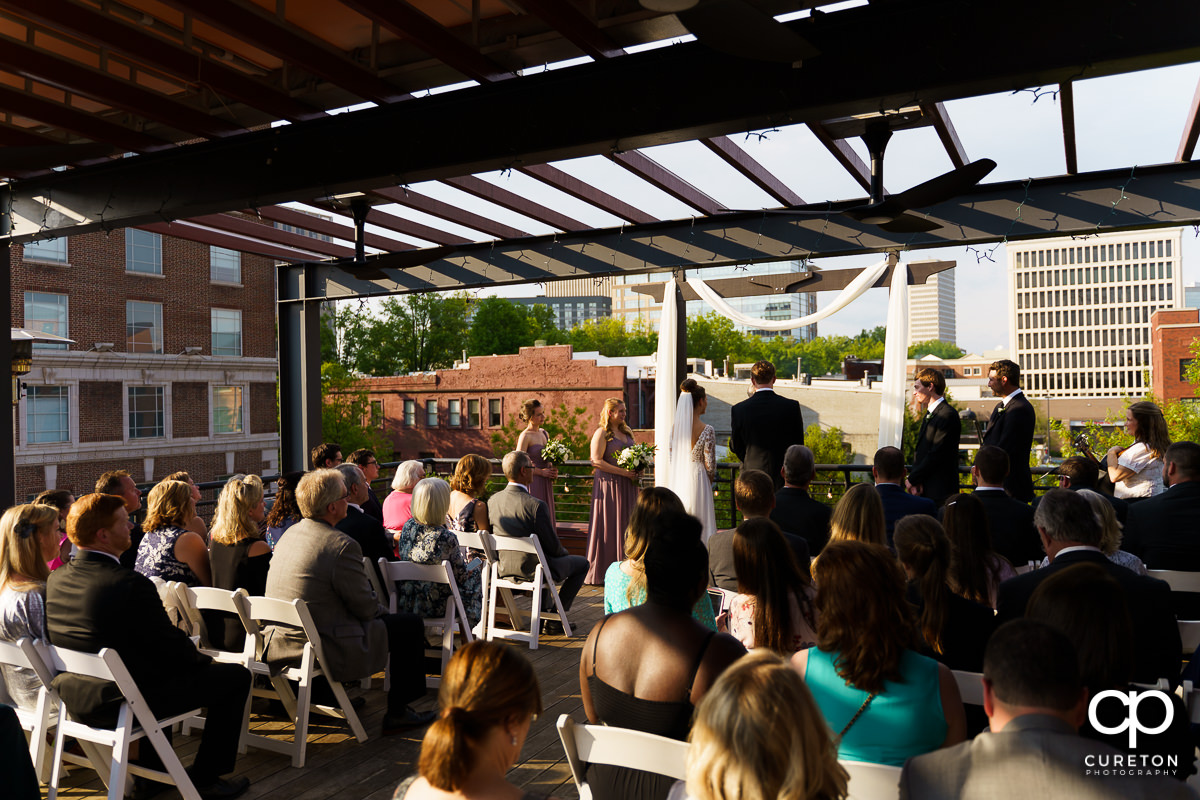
(931, 309)
(1079, 309)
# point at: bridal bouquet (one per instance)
(636, 458)
(556, 452)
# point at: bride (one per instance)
(693, 456)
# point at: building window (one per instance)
(410, 413)
(143, 327)
(473, 413)
(52, 250)
(1184, 364)
(224, 265)
(145, 412)
(494, 420)
(47, 415)
(226, 332)
(431, 414)
(376, 418)
(227, 409)
(455, 408)
(46, 313)
(143, 252)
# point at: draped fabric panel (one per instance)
(665, 389)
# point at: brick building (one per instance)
(451, 412)
(174, 363)
(1171, 335)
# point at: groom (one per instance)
(765, 425)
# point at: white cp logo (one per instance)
(1133, 724)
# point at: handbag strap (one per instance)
(854, 719)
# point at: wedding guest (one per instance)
(532, 439)
(614, 491)
(28, 539)
(646, 668)
(467, 511)
(774, 607)
(858, 515)
(425, 540)
(1136, 471)
(886, 701)
(240, 555)
(758, 734)
(61, 499)
(976, 570)
(489, 698)
(365, 459)
(284, 511)
(1110, 532)
(397, 506)
(625, 581)
(168, 550)
(196, 524)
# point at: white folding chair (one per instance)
(373, 579)
(1178, 581)
(542, 581)
(1027, 567)
(970, 687)
(485, 542)
(135, 721)
(206, 598)
(263, 612)
(619, 747)
(168, 592)
(453, 621)
(871, 781)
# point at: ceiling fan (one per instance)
(737, 28)
(890, 212)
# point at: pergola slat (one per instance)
(553, 176)
(657, 175)
(1066, 104)
(745, 163)
(514, 202)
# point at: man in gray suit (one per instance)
(1035, 703)
(323, 566)
(515, 512)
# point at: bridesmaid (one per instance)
(531, 441)
(614, 491)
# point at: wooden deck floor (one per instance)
(338, 766)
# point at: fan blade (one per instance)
(909, 223)
(876, 213)
(944, 186)
(740, 29)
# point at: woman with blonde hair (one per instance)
(532, 439)
(28, 539)
(759, 735)
(397, 506)
(196, 524)
(169, 551)
(614, 491)
(859, 516)
(1110, 532)
(489, 698)
(1136, 471)
(426, 540)
(467, 512)
(625, 581)
(240, 555)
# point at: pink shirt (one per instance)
(397, 510)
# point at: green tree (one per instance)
(610, 338)
(1192, 371)
(499, 327)
(543, 324)
(573, 425)
(713, 336)
(829, 447)
(416, 333)
(346, 414)
(935, 347)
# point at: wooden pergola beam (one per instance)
(1191, 131)
(1066, 104)
(940, 117)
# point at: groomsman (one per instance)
(1011, 427)
(765, 425)
(934, 473)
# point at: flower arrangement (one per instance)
(636, 458)
(556, 452)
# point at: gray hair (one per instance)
(318, 490)
(431, 501)
(1067, 517)
(352, 474)
(514, 462)
(407, 475)
(798, 465)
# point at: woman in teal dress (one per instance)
(883, 701)
(625, 581)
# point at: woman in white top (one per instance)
(1136, 471)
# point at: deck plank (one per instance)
(338, 766)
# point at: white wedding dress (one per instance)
(699, 497)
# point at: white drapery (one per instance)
(891, 404)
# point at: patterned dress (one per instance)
(156, 557)
(433, 544)
(22, 614)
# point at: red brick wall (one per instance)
(264, 415)
(101, 418)
(1171, 334)
(189, 409)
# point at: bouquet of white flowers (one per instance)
(636, 458)
(556, 452)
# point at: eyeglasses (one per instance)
(370, 463)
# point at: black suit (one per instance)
(1157, 646)
(935, 463)
(1011, 524)
(720, 557)
(764, 426)
(1011, 429)
(796, 512)
(370, 535)
(1164, 531)
(515, 512)
(898, 503)
(92, 603)
(372, 507)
